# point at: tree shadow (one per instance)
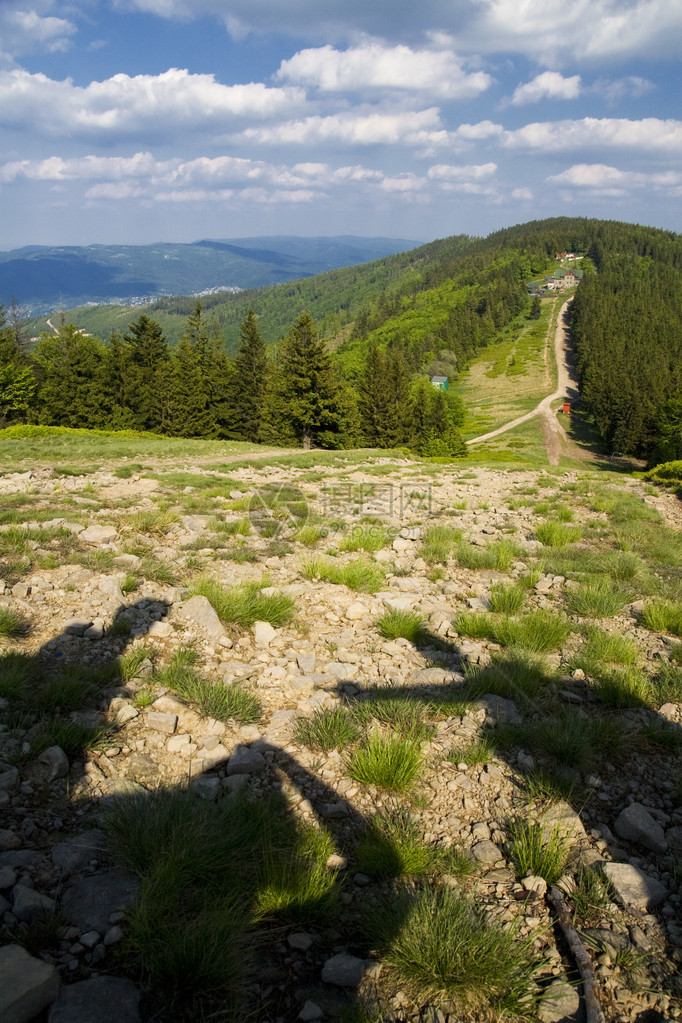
(262, 826)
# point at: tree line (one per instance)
(298, 396)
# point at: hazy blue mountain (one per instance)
(42, 278)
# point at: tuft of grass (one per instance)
(506, 598)
(130, 583)
(70, 690)
(590, 897)
(218, 700)
(245, 604)
(437, 945)
(512, 673)
(664, 616)
(17, 671)
(234, 527)
(662, 736)
(151, 523)
(535, 852)
(131, 661)
(12, 623)
(497, 556)
(668, 684)
(537, 631)
(362, 576)
(570, 739)
(406, 716)
(478, 751)
(392, 762)
(366, 538)
(408, 625)
(327, 730)
(624, 688)
(557, 534)
(309, 535)
(475, 624)
(392, 846)
(295, 883)
(74, 737)
(602, 646)
(598, 598)
(439, 543)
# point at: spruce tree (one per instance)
(149, 378)
(303, 400)
(250, 379)
(70, 366)
(188, 412)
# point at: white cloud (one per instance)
(376, 66)
(143, 103)
(604, 179)
(357, 128)
(25, 28)
(524, 194)
(548, 85)
(650, 133)
(586, 30)
(450, 172)
(622, 88)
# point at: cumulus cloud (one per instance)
(25, 28)
(650, 133)
(376, 66)
(354, 128)
(451, 172)
(128, 105)
(604, 179)
(587, 30)
(548, 85)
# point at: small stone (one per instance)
(160, 630)
(89, 939)
(300, 941)
(55, 762)
(27, 985)
(101, 999)
(356, 611)
(77, 626)
(486, 852)
(635, 824)
(535, 884)
(633, 887)
(245, 760)
(8, 878)
(27, 903)
(200, 610)
(113, 935)
(160, 722)
(98, 534)
(343, 970)
(9, 839)
(560, 1003)
(310, 1012)
(263, 633)
(9, 778)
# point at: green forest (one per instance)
(345, 359)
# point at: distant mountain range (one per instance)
(44, 278)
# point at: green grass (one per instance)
(475, 624)
(569, 739)
(590, 897)
(536, 631)
(233, 527)
(478, 751)
(598, 598)
(152, 523)
(602, 646)
(408, 625)
(219, 700)
(367, 538)
(436, 945)
(327, 730)
(557, 534)
(406, 715)
(360, 575)
(439, 542)
(245, 604)
(624, 688)
(392, 847)
(73, 737)
(535, 852)
(497, 556)
(664, 616)
(389, 762)
(295, 884)
(505, 598)
(309, 535)
(12, 623)
(668, 684)
(511, 673)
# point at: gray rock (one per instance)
(27, 985)
(77, 626)
(245, 760)
(98, 1000)
(78, 851)
(22, 858)
(635, 824)
(200, 610)
(674, 838)
(498, 709)
(486, 852)
(306, 662)
(98, 534)
(633, 887)
(263, 633)
(9, 777)
(27, 903)
(602, 937)
(343, 970)
(89, 902)
(560, 1003)
(8, 878)
(207, 786)
(9, 840)
(563, 818)
(160, 722)
(55, 762)
(310, 1012)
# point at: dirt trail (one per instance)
(555, 436)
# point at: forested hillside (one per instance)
(357, 347)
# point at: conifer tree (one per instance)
(250, 379)
(71, 379)
(149, 374)
(188, 412)
(303, 400)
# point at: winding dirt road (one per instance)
(555, 436)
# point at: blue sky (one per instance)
(137, 121)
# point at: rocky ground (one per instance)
(99, 583)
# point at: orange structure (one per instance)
(567, 408)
